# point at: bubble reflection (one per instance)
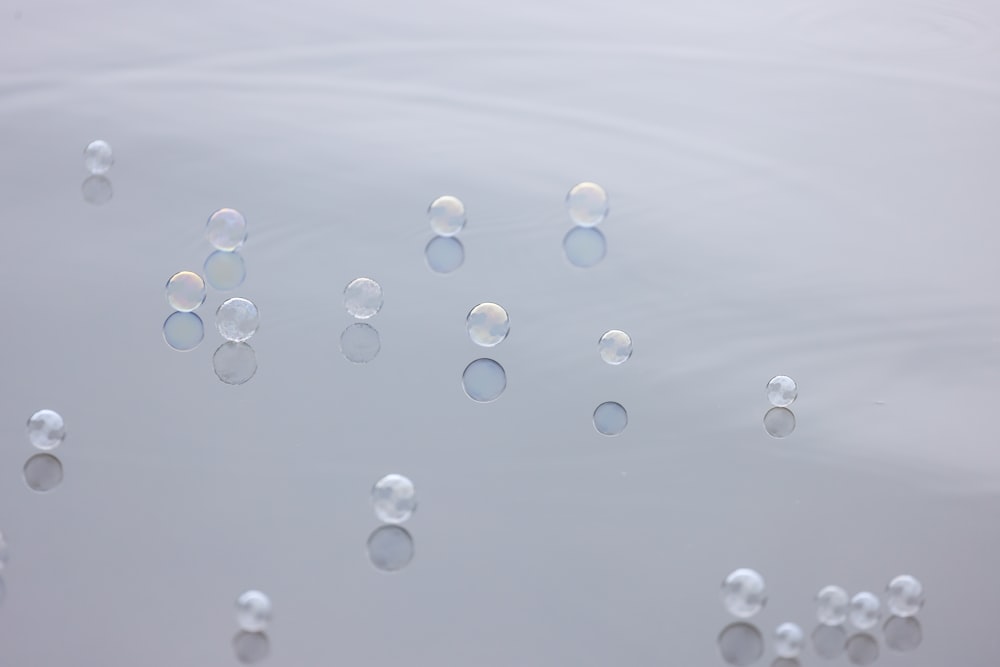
(828, 641)
(251, 647)
(225, 271)
(444, 254)
(484, 380)
(862, 649)
(903, 634)
(360, 343)
(43, 473)
(234, 363)
(779, 422)
(183, 331)
(584, 247)
(741, 644)
(96, 190)
(390, 548)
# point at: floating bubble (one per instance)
(741, 644)
(183, 331)
(488, 324)
(360, 343)
(828, 641)
(904, 596)
(584, 247)
(865, 610)
(390, 548)
(225, 271)
(394, 498)
(97, 157)
(789, 640)
(185, 291)
(46, 429)
(615, 347)
(237, 319)
(43, 472)
(782, 391)
(234, 363)
(484, 380)
(444, 254)
(96, 190)
(744, 593)
(831, 605)
(587, 204)
(903, 634)
(862, 649)
(251, 647)
(610, 418)
(779, 422)
(446, 215)
(253, 611)
(226, 229)
(363, 298)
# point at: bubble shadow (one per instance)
(43, 473)
(97, 190)
(251, 647)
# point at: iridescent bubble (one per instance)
(484, 380)
(828, 641)
(446, 215)
(183, 331)
(185, 291)
(444, 254)
(360, 343)
(744, 593)
(390, 548)
(234, 363)
(789, 640)
(779, 422)
(782, 391)
(587, 204)
(226, 229)
(253, 611)
(865, 610)
(610, 418)
(96, 190)
(251, 647)
(487, 324)
(862, 649)
(903, 634)
(237, 319)
(46, 429)
(43, 472)
(97, 157)
(904, 596)
(584, 247)
(394, 498)
(741, 644)
(615, 347)
(831, 605)
(363, 298)
(225, 271)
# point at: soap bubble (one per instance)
(782, 391)
(904, 596)
(253, 611)
(615, 347)
(185, 291)
(226, 229)
(46, 429)
(363, 298)
(97, 157)
(394, 498)
(744, 593)
(446, 215)
(587, 204)
(237, 319)
(487, 324)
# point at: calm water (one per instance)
(800, 189)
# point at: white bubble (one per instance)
(390, 548)
(610, 418)
(360, 343)
(484, 380)
(237, 319)
(226, 229)
(97, 157)
(253, 611)
(446, 215)
(185, 291)
(363, 298)
(587, 204)
(865, 610)
(779, 422)
(744, 593)
(96, 190)
(46, 429)
(904, 596)
(444, 254)
(782, 391)
(831, 605)
(394, 498)
(584, 247)
(43, 472)
(234, 363)
(183, 331)
(615, 347)
(225, 271)
(789, 640)
(487, 324)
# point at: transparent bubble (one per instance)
(226, 229)
(97, 190)
(741, 644)
(225, 271)
(782, 391)
(484, 380)
(610, 418)
(46, 429)
(862, 649)
(390, 548)
(584, 247)
(234, 363)
(253, 611)
(903, 634)
(789, 640)
(744, 593)
(251, 647)
(904, 596)
(97, 157)
(446, 215)
(615, 347)
(865, 610)
(831, 605)
(779, 422)
(237, 319)
(363, 298)
(587, 204)
(394, 498)
(488, 324)
(183, 331)
(43, 472)
(444, 254)
(4, 552)
(360, 343)
(828, 641)
(185, 291)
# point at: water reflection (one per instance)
(360, 343)
(785, 662)
(862, 649)
(43, 472)
(903, 634)
(251, 647)
(234, 363)
(741, 644)
(584, 247)
(828, 641)
(97, 190)
(390, 548)
(444, 254)
(779, 422)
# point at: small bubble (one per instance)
(237, 319)
(234, 363)
(862, 649)
(587, 204)
(363, 298)
(253, 611)
(183, 331)
(390, 548)
(226, 229)
(904, 596)
(903, 634)
(484, 380)
(615, 347)
(782, 391)
(584, 247)
(446, 215)
(251, 647)
(444, 254)
(741, 644)
(744, 593)
(43, 472)
(789, 640)
(225, 271)
(831, 605)
(610, 418)
(865, 610)
(96, 190)
(360, 343)
(828, 641)
(779, 422)
(488, 324)
(97, 157)
(46, 429)
(185, 291)
(394, 498)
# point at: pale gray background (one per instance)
(805, 188)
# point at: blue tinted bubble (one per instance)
(225, 271)
(484, 380)
(584, 247)
(444, 254)
(183, 331)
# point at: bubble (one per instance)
(488, 324)
(789, 640)
(96, 190)
(587, 204)
(360, 343)
(741, 644)
(4, 552)
(390, 548)
(615, 347)
(225, 271)
(782, 391)
(444, 254)
(226, 229)
(395, 499)
(865, 610)
(484, 380)
(779, 422)
(446, 215)
(584, 247)
(97, 157)
(828, 641)
(831, 605)
(862, 649)
(43, 472)
(234, 363)
(46, 429)
(363, 298)
(185, 291)
(904, 596)
(903, 634)
(237, 319)
(251, 647)
(253, 611)
(744, 593)
(610, 418)
(183, 331)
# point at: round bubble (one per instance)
(903, 634)
(185, 291)
(226, 229)
(782, 391)
(904, 596)
(253, 611)
(828, 641)
(394, 498)
(615, 347)
(446, 215)
(46, 429)
(744, 593)
(43, 472)
(360, 343)
(225, 271)
(237, 319)
(862, 649)
(363, 298)
(741, 644)
(487, 324)
(831, 605)
(584, 247)
(444, 254)
(587, 204)
(610, 418)
(234, 363)
(183, 331)
(97, 157)
(789, 640)
(484, 380)
(779, 422)
(390, 548)
(865, 610)
(251, 647)
(97, 190)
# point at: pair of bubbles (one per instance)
(43, 472)
(779, 421)
(360, 342)
(97, 160)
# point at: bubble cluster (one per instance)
(185, 291)
(488, 324)
(615, 347)
(253, 611)
(394, 499)
(183, 331)
(363, 298)
(46, 429)
(98, 157)
(237, 319)
(226, 229)
(446, 215)
(744, 593)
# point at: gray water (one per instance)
(805, 189)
